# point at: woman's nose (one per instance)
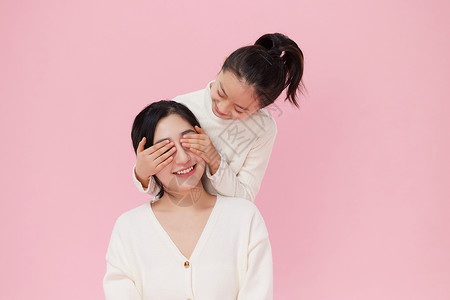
(181, 157)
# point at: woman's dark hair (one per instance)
(272, 64)
(144, 125)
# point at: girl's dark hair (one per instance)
(144, 125)
(272, 64)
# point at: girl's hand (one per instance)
(153, 159)
(200, 144)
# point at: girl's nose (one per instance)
(224, 106)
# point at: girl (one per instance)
(237, 134)
(190, 244)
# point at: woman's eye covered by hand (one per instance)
(200, 144)
(173, 146)
(167, 146)
(186, 146)
(186, 142)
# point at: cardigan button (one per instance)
(186, 264)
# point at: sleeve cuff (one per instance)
(219, 171)
(138, 184)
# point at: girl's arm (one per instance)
(247, 182)
(151, 188)
(258, 281)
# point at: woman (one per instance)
(237, 135)
(190, 244)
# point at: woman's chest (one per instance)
(184, 232)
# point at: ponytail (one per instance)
(272, 64)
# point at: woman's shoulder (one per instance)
(244, 215)
(133, 216)
(236, 205)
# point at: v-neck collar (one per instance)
(203, 237)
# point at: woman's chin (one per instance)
(184, 185)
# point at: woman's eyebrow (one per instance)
(161, 140)
(181, 134)
(187, 131)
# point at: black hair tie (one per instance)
(277, 51)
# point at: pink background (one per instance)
(356, 195)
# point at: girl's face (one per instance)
(186, 168)
(232, 98)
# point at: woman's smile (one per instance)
(186, 172)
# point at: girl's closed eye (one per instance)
(220, 93)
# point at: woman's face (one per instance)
(232, 98)
(186, 168)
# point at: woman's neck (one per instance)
(194, 198)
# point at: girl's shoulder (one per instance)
(195, 101)
(189, 96)
(192, 97)
(260, 124)
(265, 119)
